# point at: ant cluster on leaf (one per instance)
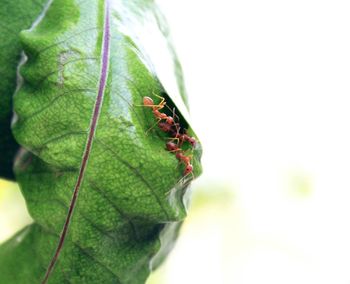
(171, 125)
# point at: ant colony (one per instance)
(177, 137)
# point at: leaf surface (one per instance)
(15, 16)
(89, 169)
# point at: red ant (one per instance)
(172, 147)
(148, 102)
(169, 121)
(184, 137)
(176, 135)
(173, 128)
(166, 127)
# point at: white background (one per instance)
(269, 86)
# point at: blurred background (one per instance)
(268, 84)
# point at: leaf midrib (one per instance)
(92, 129)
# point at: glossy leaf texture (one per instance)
(80, 124)
(15, 16)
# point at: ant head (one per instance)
(188, 169)
(147, 101)
(192, 141)
(171, 146)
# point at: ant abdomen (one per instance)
(147, 101)
(172, 147)
(188, 169)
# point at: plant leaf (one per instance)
(89, 66)
(15, 16)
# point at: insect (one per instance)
(184, 137)
(148, 102)
(166, 127)
(167, 124)
(172, 147)
(174, 131)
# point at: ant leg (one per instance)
(175, 118)
(179, 143)
(175, 115)
(173, 112)
(149, 129)
(176, 150)
(186, 180)
(192, 175)
(191, 151)
(162, 98)
(176, 124)
(162, 101)
(158, 106)
(145, 105)
(183, 179)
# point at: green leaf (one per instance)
(89, 66)
(15, 16)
